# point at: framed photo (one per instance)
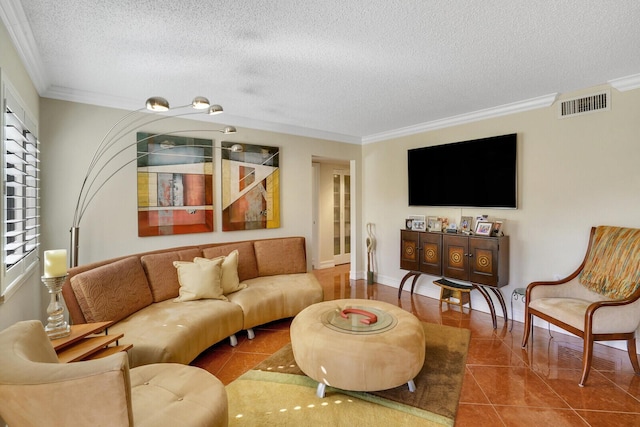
(408, 224)
(431, 223)
(466, 222)
(437, 225)
(419, 225)
(484, 228)
(498, 227)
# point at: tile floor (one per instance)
(504, 384)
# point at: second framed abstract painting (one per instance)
(250, 186)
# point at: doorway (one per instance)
(341, 216)
(333, 213)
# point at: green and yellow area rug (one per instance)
(277, 393)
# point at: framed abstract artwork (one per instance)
(250, 186)
(175, 185)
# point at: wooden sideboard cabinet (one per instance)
(421, 252)
(481, 260)
(476, 259)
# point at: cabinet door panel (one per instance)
(483, 262)
(456, 262)
(409, 252)
(431, 259)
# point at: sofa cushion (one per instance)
(247, 267)
(280, 256)
(162, 275)
(112, 291)
(169, 332)
(276, 297)
(230, 281)
(199, 280)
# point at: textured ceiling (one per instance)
(348, 70)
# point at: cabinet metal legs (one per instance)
(485, 293)
(415, 275)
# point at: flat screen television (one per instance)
(478, 173)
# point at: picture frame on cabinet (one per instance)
(484, 228)
(419, 225)
(498, 227)
(431, 223)
(444, 223)
(408, 224)
(436, 225)
(466, 222)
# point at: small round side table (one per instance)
(518, 293)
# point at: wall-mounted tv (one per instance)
(478, 173)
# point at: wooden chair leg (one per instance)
(587, 355)
(633, 356)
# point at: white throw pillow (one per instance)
(199, 280)
(230, 280)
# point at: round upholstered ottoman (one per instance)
(358, 345)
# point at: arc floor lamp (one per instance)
(108, 152)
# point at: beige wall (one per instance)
(109, 227)
(574, 173)
(28, 301)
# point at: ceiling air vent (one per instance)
(600, 101)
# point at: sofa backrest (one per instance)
(112, 291)
(280, 256)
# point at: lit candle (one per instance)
(55, 263)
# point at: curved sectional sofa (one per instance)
(142, 293)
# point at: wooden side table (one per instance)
(87, 342)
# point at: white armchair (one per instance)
(37, 390)
(600, 301)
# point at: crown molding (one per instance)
(93, 98)
(502, 110)
(624, 84)
(291, 129)
(17, 25)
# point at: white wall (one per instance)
(109, 227)
(574, 173)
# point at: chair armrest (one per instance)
(44, 373)
(80, 393)
(626, 313)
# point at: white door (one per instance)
(341, 217)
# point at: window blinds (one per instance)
(21, 213)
